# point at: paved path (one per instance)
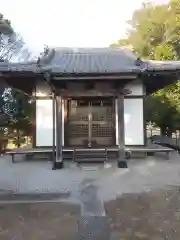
(93, 222)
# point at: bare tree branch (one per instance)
(12, 45)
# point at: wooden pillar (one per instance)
(54, 132)
(34, 125)
(121, 133)
(59, 157)
(89, 127)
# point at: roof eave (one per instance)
(97, 73)
(153, 65)
(156, 80)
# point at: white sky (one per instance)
(72, 23)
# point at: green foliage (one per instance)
(154, 33)
(5, 26)
(15, 105)
(19, 110)
(12, 45)
(21, 122)
(121, 42)
(164, 51)
(160, 111)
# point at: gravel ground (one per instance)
(154, 216)
(141, 202)
(45, 221)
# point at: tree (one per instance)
(10, 42)
(20, 115)
(121, 42)
(147, 29)
(5, 26)
(154, 33)
(12, 45)
(161, 112)
(14, 105)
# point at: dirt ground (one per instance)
(154, 216)
(42, 221)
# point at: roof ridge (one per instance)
(91, 49)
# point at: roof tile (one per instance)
(92, 60)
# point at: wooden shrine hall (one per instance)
(89, 99)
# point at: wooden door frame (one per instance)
(89, 99)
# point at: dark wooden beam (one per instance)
(93, 93)
(54, 134)
(95, 76)
(59, 157)
(121, 132)
(25, 83)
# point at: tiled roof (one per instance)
(18, 67)
(92, 60)
(162, 65)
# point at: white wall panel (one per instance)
(133, 121)
(133, 116)
(136, 88)
(44, 122)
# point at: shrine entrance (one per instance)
(91, 122)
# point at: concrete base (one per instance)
(58, 165)
(122, 164)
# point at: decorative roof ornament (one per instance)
(38, 61)
(138, 62)
(47, 77)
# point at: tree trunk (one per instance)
(18, 138)
(169, 132)
(165, 131)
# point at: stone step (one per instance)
(90, 156)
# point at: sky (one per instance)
(70, 23)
